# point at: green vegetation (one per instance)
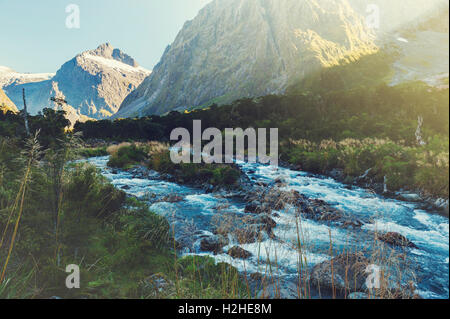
(336, 105)
(214, 174)
(125, 156)
(54, 212)
(50, 124)
(425, 167)
(222, 280)
(92, 152)
(157, 157)
(367, 71)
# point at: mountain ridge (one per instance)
(247, 48)
(94, 83)
(9, 77)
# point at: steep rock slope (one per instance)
(94, 84)
(5, 102)
(247, 48)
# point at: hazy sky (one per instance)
(34, 36)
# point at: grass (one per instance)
(125, 155)
(118, 243)
(417, 168)
(126, 251)
(156, 156)
(214, 174)
(92, 152)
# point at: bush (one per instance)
(214, 174)
(415, 168)
(92, 152)
(127, 156)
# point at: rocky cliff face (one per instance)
(248, 48)
(5, 103)
(94, 84)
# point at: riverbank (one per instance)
(430, 203)
(270, 236)
(327, 165)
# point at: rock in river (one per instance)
(172, 199)
(238, 252)
(396, 239)
(213, 243)
(343, 272)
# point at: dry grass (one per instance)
(113, 149)
(152, 147)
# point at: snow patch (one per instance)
(116, 65)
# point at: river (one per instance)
(195, 216)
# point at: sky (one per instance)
(34, 36)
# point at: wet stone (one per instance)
(238, 252)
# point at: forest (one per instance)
(353, 130)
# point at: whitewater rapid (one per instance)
(195, 216)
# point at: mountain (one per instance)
(10, 77)
(94, 84)
(5, 103)
(247, 48)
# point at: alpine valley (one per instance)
(354, 93)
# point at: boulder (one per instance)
(213, 243)
(247, 235)
(253, 208)
(238, 252)
(337, 174)
(172, 198)
(344, 273)
(156, 286)
(396, 239)
(157, 281)
(266, 223)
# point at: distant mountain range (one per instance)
(244, 48)
(249, 48)
(94, 84)
(10, 77)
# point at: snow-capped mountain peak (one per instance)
(8, 76)
(107, 51)
(94, 83)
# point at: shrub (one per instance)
(126, 156)
(93, 152)
(214, 174)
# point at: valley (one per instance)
(129, 174)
